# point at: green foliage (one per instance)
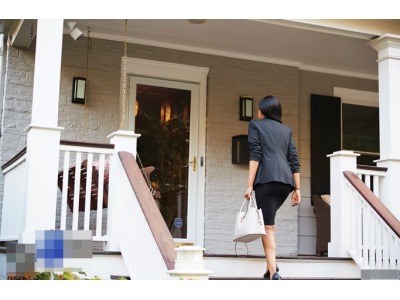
(64, 276)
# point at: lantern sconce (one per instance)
(246, 108)
(78, 90)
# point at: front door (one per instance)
(165, 113)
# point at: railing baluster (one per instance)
(88, 190)
(397, 253)
(365, 232)
(100, 196)
(378, 243)
(385, 248)
(359, 175)
(358, 227)
(392, 253)
(376, 185)
(353, 220)
(371, 221)
(77, 189)
(368, 181)
(64, 191)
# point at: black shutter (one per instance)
(325, 139)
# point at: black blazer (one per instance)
(271, 144)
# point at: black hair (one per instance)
(271, 108)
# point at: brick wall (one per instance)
(228, 80)
(17, 106)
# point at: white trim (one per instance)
(357, 97)
(319, 28)
(183, 73)
(123, 133)
(30, 126)
(230, 54)
(86, 149)
(337, 72)
(16, 163)
(9, 238)
(343, 153)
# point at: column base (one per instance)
(337, 249)
(26, 237)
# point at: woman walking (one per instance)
(274, 171)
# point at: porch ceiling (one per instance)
(247, 39)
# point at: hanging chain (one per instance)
(145, 175)
(31, 36)
(89, 48)
(124, 93)
(121, 126)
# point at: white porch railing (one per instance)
(146, 244)
(371, 176)
(137, 245)
(373, 243)
(76, 189)
(14, 204)
(362, 227)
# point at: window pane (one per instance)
(164, 145)
(81, 89)
(360, 128)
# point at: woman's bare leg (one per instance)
(269, 245)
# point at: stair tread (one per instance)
(306, 257)
(283, 278)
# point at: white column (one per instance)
(388, 47)
(43, 133)
(119, 186)
(340, 202)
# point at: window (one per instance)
(360, 131)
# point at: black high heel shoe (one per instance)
(276, 276)
(266, 275)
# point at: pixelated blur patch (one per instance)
(20, 260)
(64, 250)
(385, 274)
(53, 251)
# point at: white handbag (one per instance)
(249, 224)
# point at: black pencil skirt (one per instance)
(269, 197)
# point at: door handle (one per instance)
(194, 163)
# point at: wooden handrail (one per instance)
(153, 216)
(62, 142)
(86, 144)
(14, 159)
(372, 168)
(375, 203)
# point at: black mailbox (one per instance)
(240, 150)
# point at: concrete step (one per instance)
(286, 278)
(117, 277)
(290, 267)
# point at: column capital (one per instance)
(387, 45)
(385, 41)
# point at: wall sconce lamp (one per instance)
(246, 108)
(78, 90)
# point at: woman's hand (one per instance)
(248, 193)
(296, 198)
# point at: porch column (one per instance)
(43, 134)
(388, 47)
(119, 187)
(340, 202)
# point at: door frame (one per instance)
(183, 73)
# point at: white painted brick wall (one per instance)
(228, 80)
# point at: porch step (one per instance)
(117, 277)
(286, 278)
(230, 267)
